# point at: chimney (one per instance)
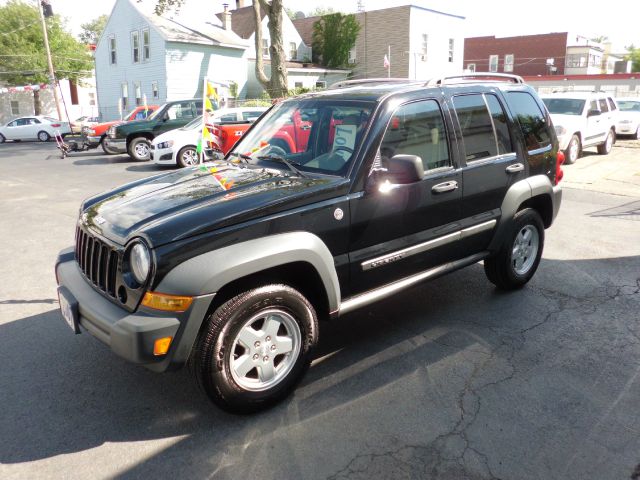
(239, 4)
(226, 17)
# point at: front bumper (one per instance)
(626, 128)
(131, 335)
(116, 145)
(557, 200)
(94, 140)
(163, 156)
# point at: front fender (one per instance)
(209, 272)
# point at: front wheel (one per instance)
(187, 156)
(572, 153)
(103, 144)
(43, 136)
(255, 348)
(606, 147)
(139, 149)
(519, 256)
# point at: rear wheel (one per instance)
(43, 136)
(2, 138)
(255, 348)
(572, 153)
(606, 147)
(187, 156)
(139, 149)
(519, 256)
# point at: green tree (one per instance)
(92, 30)
(22, 54)
(276, 85)
(333, 36)
(633, 55)
(600, 39)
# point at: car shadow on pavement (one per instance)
(104, 159)
(150, 167)
(64, 393)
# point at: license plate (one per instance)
(68, 308)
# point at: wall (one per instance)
(124, 19)
(25, 104)
(84, 108)
(307, 76)
(618, 84)
(188, 64)
(289, 34)
(439, 29)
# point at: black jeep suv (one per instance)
(371, 188)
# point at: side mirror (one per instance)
(593, 113)
(404, 169)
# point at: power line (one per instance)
(19, 29)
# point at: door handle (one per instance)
(515, 168)
(445, 187)
(305, 127)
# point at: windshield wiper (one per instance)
(242, 156)
(288, 163)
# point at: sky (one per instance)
(488, 17)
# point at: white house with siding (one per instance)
(162, 58)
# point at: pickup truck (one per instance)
(135, 137)
(96, 134)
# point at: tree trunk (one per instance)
(276, 86)
(37, 107)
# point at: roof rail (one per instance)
(477, 76)
(367, 81)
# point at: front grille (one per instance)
(97, 260)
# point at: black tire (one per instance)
(217, 347)
(573, 151)
(43, 136)
(2, 138)
(282, 144)
(500, 268)
(136, 148)
(636, 136)
(184, 150)
(103, 142)
(607, 146)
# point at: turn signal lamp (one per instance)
(161, 346)
(559, 161)
(168, 303)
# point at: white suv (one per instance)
(583, 120)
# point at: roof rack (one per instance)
(367, 81)
(477, 76)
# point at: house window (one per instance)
(146, 44)
(451, 45)
(425, 46)
(471, 67)
(125, 95)
(135, 46)
(293, 50)
(493, 63)
(154, 88)
(320, 84)
(15, 107)
(265, 47)
(508, 63)
(112, 48)
(138, 91)
(92, 99)
(352, 55)
(298, 85)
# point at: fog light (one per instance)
(169, 303)
(161, 345)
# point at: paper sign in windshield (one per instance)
(345, 137)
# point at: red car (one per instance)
(97, 133)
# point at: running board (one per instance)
(389, 289)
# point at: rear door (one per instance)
(491, 163)
(408, 228)
(596, 124)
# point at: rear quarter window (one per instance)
(530, 118)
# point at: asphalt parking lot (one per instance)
(451, 380)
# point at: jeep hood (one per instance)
(187, 202)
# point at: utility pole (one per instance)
(52, 75)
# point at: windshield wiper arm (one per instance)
(244, 157)
(289, 164)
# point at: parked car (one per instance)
(36, 127)
(581, 120)
(97, 134)
(79, 123)
(135, 137)
(629, 117)
(229, 265)
(178, 147)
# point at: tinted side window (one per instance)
(530, 118)
(500, 124)
(417, 129)
(603, 105)
(612, 104)
(477, 129)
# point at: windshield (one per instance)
(629, 105)
(193, 124)
(157, 112)
(314, 135)
(564, 106)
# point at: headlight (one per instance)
(91, 131)
(560, 130)
(112, 131)
(167, 144)
(140, 262)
